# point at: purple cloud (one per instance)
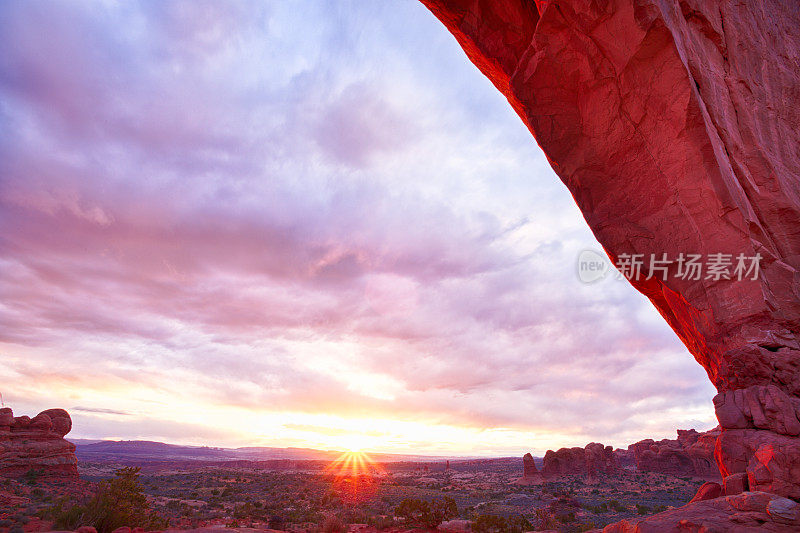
(200, 201)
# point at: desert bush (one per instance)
(544, 520)
(421, 513)
(333, 524)
(65, 516)
(487, 523)
(616, 506)
(119, 502)
(380, 522)
(598, 509)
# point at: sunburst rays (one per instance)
(354, 476)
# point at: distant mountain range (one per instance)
(110, 450)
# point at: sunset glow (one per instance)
(352, 463)
(354, 476)
(218, 231)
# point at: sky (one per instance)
(306, 224)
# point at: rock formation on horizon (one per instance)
(675, 125)
(691, 454)
(36, 443)
(529, 466)
(529, 470)
(594, 458)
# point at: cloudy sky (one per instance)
(301, 224)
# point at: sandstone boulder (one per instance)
(708, 491)
(36, 444)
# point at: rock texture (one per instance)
(36, 443)
(625, 458)
(530, 474)
(707, 491)
(691, 454)
(529, 470)
(742, 513)
(675, 124)
(591, 460)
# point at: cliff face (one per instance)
(676, 126)
(37, 443)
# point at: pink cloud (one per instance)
(175, 194)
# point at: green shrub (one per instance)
(544, 519)
(119, 501)
(598, 509)
(333, 524)
(487, 523)
(421, 513)
(615, 505)
(64, 516)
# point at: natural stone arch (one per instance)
(676, 126)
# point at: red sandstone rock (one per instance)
(529, 470)
(691, 454)
(707, 491)
(37, 444)
(735, 484)
(747, 512)
(62, 422)
(530, 474)
(564, 462)
(625, 458)
(675, 125)
(594, 458)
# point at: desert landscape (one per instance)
(52, 484)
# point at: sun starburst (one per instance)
(354, 475)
